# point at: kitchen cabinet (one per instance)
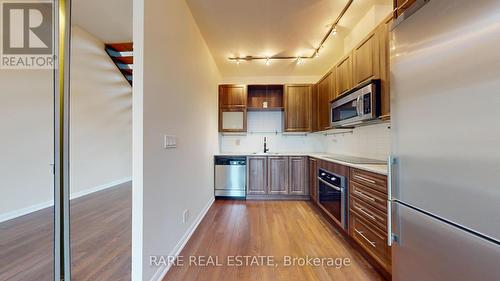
(314, 109)
(383, 31)
(231, 96)
(232, 120)
(277, 175)
(265, 97)
(326, 93)
(313, 181)
(257, 175)
(298, 175)
(232, 108)
(366, 59)
(400, 6)
(298, 108)
(343, 75)
(368, 215)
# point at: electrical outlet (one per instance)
(238, 142)
(169, 141)
(185, 216)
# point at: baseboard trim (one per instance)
(99, 188)
(37, 207)
(162, 271)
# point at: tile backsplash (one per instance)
(372, 141)
(369, 141)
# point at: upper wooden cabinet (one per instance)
(384, 53)
(326, 93)
(400, 6)
(232, 108)
(298, 108)
(366, 59)
(231, 96)
(314, 108)
(343, 75)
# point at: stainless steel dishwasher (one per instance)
(230, 176)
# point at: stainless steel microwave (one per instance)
(359, 105)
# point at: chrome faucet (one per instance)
(265, 145)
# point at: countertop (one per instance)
(379, 169)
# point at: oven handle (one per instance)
(329, 184)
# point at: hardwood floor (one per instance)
(101, 238)
(279, 229)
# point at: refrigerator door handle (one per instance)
(390, 236)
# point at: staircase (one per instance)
(123, 57)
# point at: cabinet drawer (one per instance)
(369, 213)
(372, 241)
(372, 180)
(369, 196)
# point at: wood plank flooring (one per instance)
(100, 239)
(268, 228)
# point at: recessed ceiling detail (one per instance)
(332, 31)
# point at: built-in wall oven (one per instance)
(333, 196)
(360, 105)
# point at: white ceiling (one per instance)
(108, 20)
(274, 27)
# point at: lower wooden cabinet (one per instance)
(257, 175)
(313, 180)
(368, 215)
(298, 175)
(277, 176)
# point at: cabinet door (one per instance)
(298, 175)
(313, 180)
(257, 175)
(325, 95)
(366, 59)
(385, 96)
(232, 120)
(232, 96)
(343, 75)
(314, 109)
(277, 175)
(298, 106)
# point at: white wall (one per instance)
(176, 97)
(100, 117)
(100, 129)
(26, 141)
(367, 23)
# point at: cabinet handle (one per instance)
(364, 237)
(364, 195)
(364, 179)
(366, 213)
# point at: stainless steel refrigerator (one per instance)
(445, 173)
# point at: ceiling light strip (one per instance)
(299, 58)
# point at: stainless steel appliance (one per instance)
(360, 105)
(333, 196)
(445, 166)
(230, 176)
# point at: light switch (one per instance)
(169, 141)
